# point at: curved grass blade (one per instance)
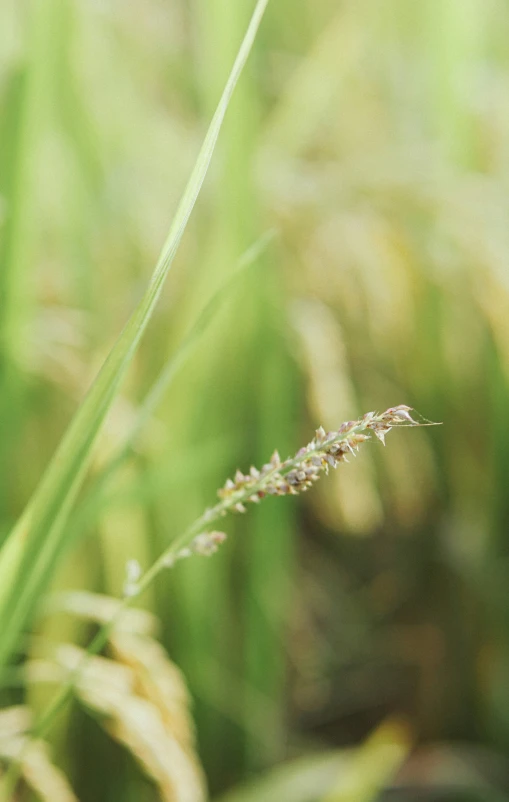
(33, 547)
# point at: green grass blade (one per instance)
(36, 542)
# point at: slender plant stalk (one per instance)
(277, 478)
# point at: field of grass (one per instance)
(348, 252)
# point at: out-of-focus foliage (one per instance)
(374, 137)
(137, 693)
(345, 776)
(37, 770)
(38, 539)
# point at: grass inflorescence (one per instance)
(326, 450)
(276, 478)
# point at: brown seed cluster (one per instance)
(297, 474)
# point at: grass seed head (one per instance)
(327, 449)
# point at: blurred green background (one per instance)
(372, 139)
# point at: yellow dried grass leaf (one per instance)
(158, 680)
(37, 770)
(45, 778)
(102, 609)
(14, 721)
(140, 726)
(140, 695)
(143, 703)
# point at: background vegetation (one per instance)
(371, 139)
